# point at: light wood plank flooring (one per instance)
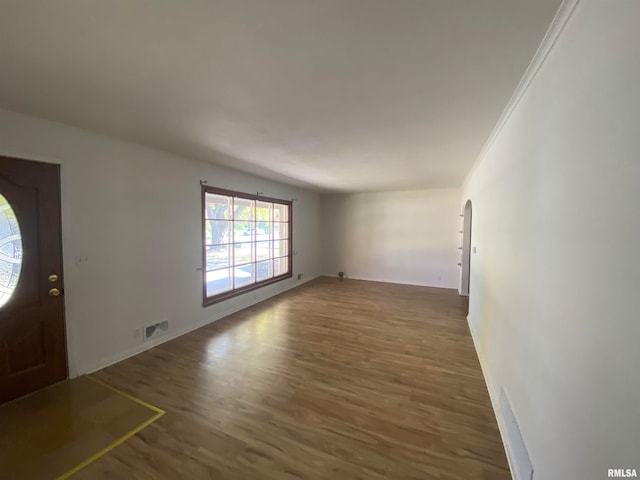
(332, 380)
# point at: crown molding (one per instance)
(550, 38)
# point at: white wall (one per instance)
(400, 237)
(136, 214)
(556, 222)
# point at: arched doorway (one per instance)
(466, 251)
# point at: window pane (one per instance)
(217, 231)
(244, 275)
(281, 266)
(218, 257)
(244, 231)
(264, 270)
(217, 206)
(281, 248)
(281, 212)
(218, 281)
(263, 230)
(264, 211)
(244, 253)
(263, 250)
(281, 230)
(243, 209)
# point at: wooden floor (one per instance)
(332, 380)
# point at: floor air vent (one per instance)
(516, 449)
(156, 330)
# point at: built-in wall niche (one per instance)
(460, 238)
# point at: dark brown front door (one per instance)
(32, 336)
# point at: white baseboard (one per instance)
(386, 280)
(495, 399)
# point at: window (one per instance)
(10, 251)
(246, 244)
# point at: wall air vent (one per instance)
(156, 330)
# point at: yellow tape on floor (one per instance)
(131, 433)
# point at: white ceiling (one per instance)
(341, 95)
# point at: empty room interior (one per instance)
(305, 239)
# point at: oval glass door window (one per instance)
(10, 251)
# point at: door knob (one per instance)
(53, 277)
(54, 292)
